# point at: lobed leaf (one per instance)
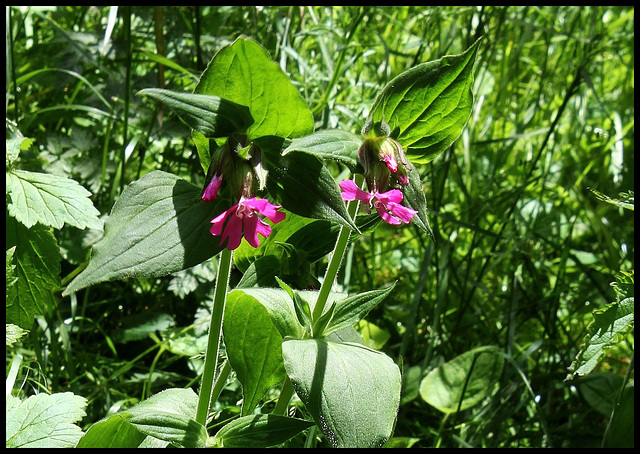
(49, 200)
(44, 421)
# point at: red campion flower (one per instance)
(242, 220)
(387, 204)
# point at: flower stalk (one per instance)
(213, 343)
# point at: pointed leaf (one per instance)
(112, 432)
(244, 73)
(253, 346)
(260, 431)
(428, 105)
(209, 115)
(333, 144)
(301, 184)
(350, 310)
(158, 226)
(168, 416)
(351, 391)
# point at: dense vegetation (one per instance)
(531, 208)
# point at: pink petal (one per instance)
(403, 213)
(233, 232)
(394, 195)
(352, 192)
(391, 163)
(250, 230)
(211, 191)
(386, 217)
(218, 221)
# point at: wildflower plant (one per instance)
(267, 185)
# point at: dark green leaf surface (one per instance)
(428, 105)
(260, 431)
(159, 225)
(209, 115)
(351, 391)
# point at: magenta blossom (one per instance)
(387, 204)
(242, 219)
(211, 191)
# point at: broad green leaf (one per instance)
(332, 144)
(253, 346)
(350, 310)
(112, 432)
(278, 304)
(168, 416)
(609, 323)
(209, 115)
(159, 225)
(50, 200)
(244, 73)
(464, 381)
(259, 431)
(14, 146)
(37, 272)
(44, 421)
(351, 391)
(303, 185)
(428, 105)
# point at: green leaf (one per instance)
(37, 259)
(44, 421)
(259, 431)
(253, 346)
(50, 200)
(332, 144)
(351, 391)
(301, 184)
(464, 381)
(158, 226)
(112, 432)
(414, 198)
(168, 416)
(244, 73)
(350, 310)
(428, 105)
(209, 115)
(608, 324)
(277, 303)
(140, 326)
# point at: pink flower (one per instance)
(242, 219)
(387, 204)
(211, 191)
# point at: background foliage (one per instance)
(524, 252)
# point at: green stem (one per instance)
(285, 397)
(211, 358)
(336, 258)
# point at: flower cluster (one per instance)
(385, 167)
(242, 219)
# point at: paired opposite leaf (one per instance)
(428, 105)
(209, 115)
(158, 226)
(244, 73)
(351, 391)
(259, 431)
